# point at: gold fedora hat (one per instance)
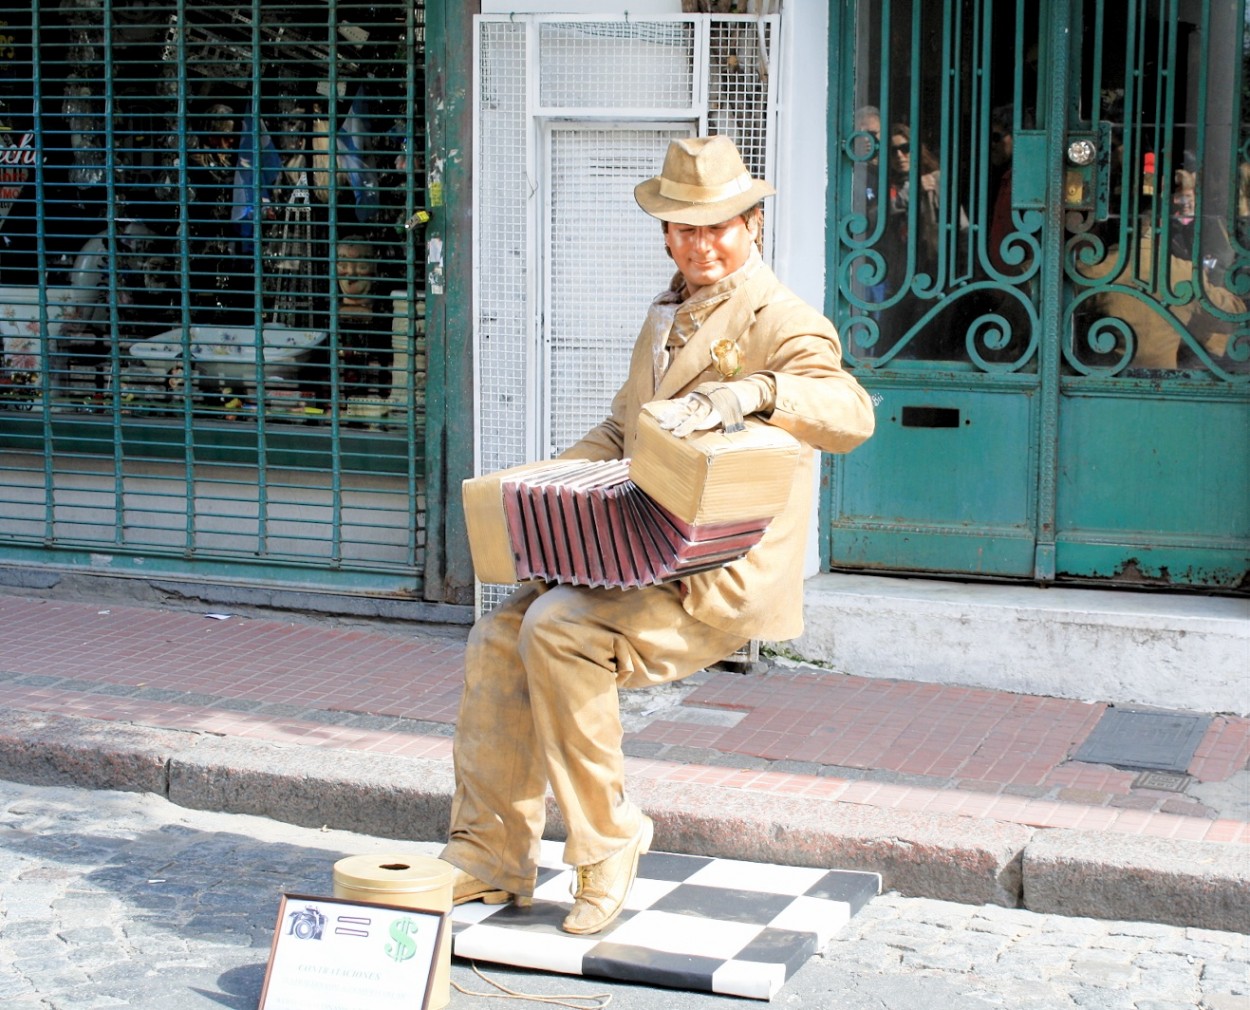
(703, 182)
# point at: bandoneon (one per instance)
(677, 506)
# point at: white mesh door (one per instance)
(571, 114)
(606, 263)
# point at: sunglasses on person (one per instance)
(902, 148)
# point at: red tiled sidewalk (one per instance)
(973, 737)
(300, 664)
(891, 744)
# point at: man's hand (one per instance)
(712, 405)
(686, 415)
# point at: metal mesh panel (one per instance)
(502, 247)
(627, 64)
(739, 59)
(607, 263)
(209, 224)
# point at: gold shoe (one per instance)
(603, 887)
(465, 887)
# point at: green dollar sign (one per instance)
(404, 946)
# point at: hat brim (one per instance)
(647, 194)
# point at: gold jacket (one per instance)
(759, 596)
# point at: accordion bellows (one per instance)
(678, 506)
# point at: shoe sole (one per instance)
(495, 898)
(644, 846)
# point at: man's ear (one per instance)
(756, 225)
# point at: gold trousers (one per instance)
(540, 708)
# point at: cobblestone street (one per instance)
(125, 900)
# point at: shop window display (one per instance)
(201, 213)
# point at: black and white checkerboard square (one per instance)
(690, 922)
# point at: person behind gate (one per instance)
(542, 670)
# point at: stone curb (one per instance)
(923, 855)
(945, 857)
(387, 796)
(1157, 879)
(52, 750)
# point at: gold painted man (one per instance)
(542, 671)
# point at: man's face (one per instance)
(868, 124)
(706, 253)
(355, 270)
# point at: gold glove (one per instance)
(714, 405)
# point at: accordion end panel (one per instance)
(490, 547)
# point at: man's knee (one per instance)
(557, 624)
(487, 631)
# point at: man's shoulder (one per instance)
(779, 305)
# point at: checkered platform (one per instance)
(690, 922)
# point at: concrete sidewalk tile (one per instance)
(1192, 829)
(950, 802)
(1094, 778)
(1223, 750)
(1132, 822)
(824, 787)
(1087, 818)
(975, 805)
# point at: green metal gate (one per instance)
(212, 273)
(1040, 265)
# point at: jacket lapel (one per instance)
(731, 319)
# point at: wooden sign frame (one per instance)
(333, 954)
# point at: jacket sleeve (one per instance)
(817, 400)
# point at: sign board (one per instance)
(329, 954)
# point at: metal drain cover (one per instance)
(1146, 740)
(1162, 781)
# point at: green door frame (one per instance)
(1061, 15)
(449, 270)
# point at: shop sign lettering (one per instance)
(16, 161)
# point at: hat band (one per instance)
(687, 193)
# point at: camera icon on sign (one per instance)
(307, 924)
